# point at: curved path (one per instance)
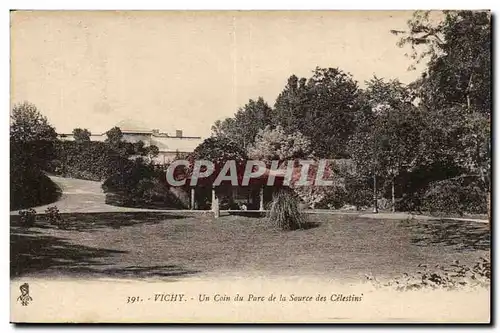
(84, 196)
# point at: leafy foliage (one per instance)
(31, 137)
(28, 124)
(275, 144)
(292, 105)
(450, 127)
(30, 187)
(358, 192)
(322, 108)
(31, 149)
(94, 160)
(85, 160)
(457, 46)
(385, 140)
(245, 125)
(81, 135)
(54, 217)
(459, 195)
(219, 150)
(139, 184)
(451, 277)
(27, 217)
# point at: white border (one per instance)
(249, 5)
(187, 4)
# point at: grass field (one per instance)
(143, 245)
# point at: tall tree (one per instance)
(32, 141)
(28, 124)
(292, 105)
(457, 46)
(385, 142)
(245, 125)
(225, 128)
(274, 144)
(32, 137)
(322, 108)
(219, 151)
(455, 90)
(114, 136)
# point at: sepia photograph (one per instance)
(188, 166)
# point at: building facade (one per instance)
(169, 146)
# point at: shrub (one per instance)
(54, 217)
(284, 211)
(31, 148)
(140, 185)
(310, 195)
(410, 202)
(358, 192)
(30, 187)
(27, 217)
(333, 199)
(459, 195)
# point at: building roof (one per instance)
(129, 125)
(164, 141)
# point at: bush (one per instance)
(459, 196)
(27, 217)
(410, 202)
(284, 211)
(358, 192)
(54, 217)
(30, 187)
(140, 185)
(335, 198)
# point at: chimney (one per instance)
(178, 133)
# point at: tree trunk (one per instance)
(192, 198)
(468, 90)
(487, 187)
(375, 203)
(489, 206)
(261, 198)
(393, 196)
(215, 204)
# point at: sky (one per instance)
(185, 70)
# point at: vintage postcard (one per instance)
(250, 166)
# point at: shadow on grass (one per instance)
(33, 252)
(249, 214)
(311, 225)
(468, 236)
(306, 226)
(139, 271)
(90, 222)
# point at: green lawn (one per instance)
(169, 245)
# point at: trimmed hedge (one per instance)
(83, 160)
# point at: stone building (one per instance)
(169, 145)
